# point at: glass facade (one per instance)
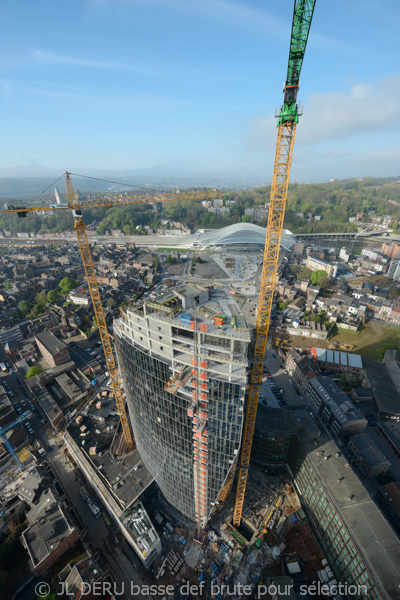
(336, 538)
(163, 429)
(270, 449)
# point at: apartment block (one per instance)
(316, 264)
(334, 408)
(391, 250)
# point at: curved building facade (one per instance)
(185, 379)
(241, 236)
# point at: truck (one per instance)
(94, 508)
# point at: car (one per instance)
(27, 424)
(30, 430)
(274, 355)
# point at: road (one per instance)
(120, 558)
(98, 532)
(275, 367)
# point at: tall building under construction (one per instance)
(183, 356)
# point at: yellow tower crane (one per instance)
(288, 119)
(77, 207)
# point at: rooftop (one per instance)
(370, 451)
(385, 393)
(340, 405)
(138, 522)
(127, 478)
(50, 342)
(370, 531)
(177, 306)
(47, 527)
(338, 358)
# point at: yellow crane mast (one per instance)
(288, 119)
(76, 206)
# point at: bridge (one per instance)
(368, 232)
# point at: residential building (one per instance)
(81, 580)
(388, 498)
(298, 248)
(393, 271)
(370, 253)
(309, 329)
(316, 264)
(334, 408)
(11, 334)
(339, 362)
(257, 214)
(80, 298)
(50, 533)
(52, 349)
(391, 250)
(183, 356)
(344, 255)
(301, 369)
(366, 457)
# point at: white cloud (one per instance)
(230, 13)
(365, 108)
(166, 72)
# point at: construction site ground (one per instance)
(216, 559)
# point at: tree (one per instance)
(32, 372)
(169, 260)
(394, 293)
(110, 302)
(282, 305)
(41, 299)
(317, 276)
(95, 325)
(7, 285)
(305, 273)
(52, 295)
(68, 284)
(24, 307)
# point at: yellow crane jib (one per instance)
(287, 120)
(87, 260)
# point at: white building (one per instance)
(344, 255)
(79, 298)
(394, 269)
(373, 254)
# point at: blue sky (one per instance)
(189, 87)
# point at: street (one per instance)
(98, 532)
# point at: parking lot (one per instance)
(82, 357)
(275, 367)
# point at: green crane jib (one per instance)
(302, 17)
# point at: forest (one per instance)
(334, 202)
